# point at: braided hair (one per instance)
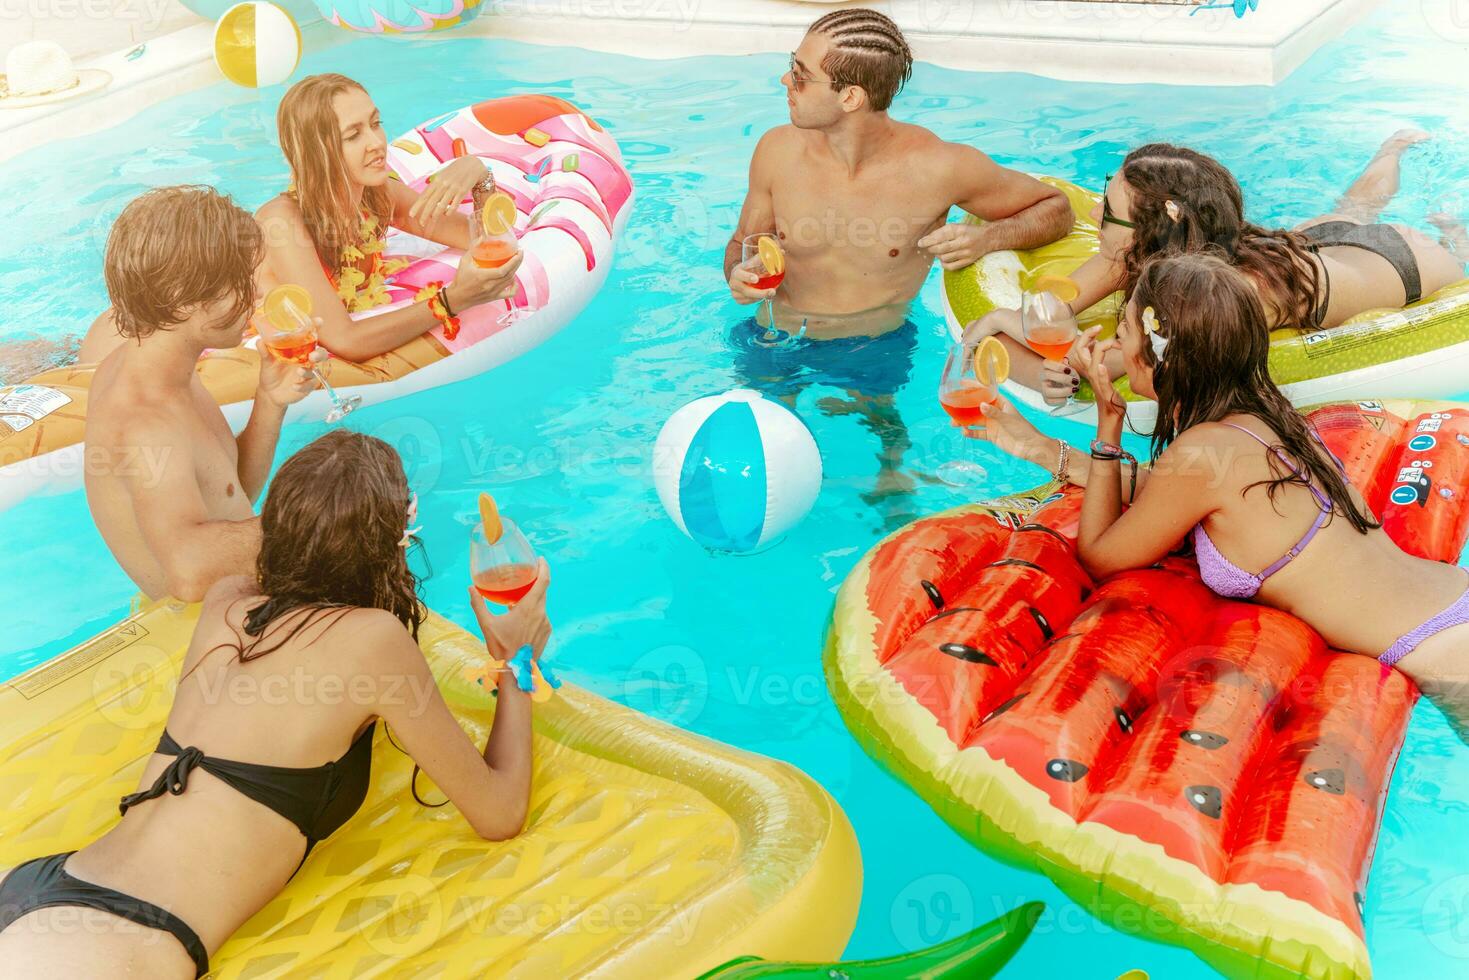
(868, 51)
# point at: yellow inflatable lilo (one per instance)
(648, 852)
(1419, 352)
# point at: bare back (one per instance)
(1340, 573)
(211, 854)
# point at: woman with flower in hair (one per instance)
(327, 232)
(1169, 199)
(1243, 476)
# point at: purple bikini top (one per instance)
(1226, 578)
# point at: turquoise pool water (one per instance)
(563, 436)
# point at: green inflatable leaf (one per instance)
(976, 955)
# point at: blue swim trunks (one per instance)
(872, 366)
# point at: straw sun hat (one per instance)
(39, 72)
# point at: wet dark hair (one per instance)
(1217, 364)
(868, 50)
(1211, 213)
(330, 533)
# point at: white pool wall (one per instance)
(1070, 39)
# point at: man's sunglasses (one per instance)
(1108, 218)
(799, 79)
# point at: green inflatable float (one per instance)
(976, 955)
(1418, 352)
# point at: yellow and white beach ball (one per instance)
(257, 44)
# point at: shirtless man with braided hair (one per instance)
(860, 203)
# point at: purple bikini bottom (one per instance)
(1453, 616)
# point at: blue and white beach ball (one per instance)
(736, 471)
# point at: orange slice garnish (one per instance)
(498, 216)
(771, 256)
(490, 515)
(285, 305)
(1062, 287)
(991, 362)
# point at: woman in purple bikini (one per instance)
(1242, 473)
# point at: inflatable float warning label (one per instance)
(24, 405)
(36, 682)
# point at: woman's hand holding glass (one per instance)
(525, 624)
(474, 284)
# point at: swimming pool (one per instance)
(563, 436)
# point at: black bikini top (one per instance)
(317, 800)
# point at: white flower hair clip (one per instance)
(1156, 339)
(411, 530)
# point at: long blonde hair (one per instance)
(312, 143)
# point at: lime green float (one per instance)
(976, 955)
(1421, 351)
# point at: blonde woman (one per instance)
(327, 231)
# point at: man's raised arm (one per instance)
(1018, 210)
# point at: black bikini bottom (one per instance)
(44, 883)
(1381, 240)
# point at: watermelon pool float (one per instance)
(1201, 771)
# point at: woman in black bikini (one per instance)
(263, 755)
(1168, 199)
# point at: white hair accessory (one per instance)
(1173, 210)
(410, 530)
(1156, 339)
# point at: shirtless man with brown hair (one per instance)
(860, 203)
(170, 486)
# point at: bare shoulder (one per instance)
(921, 137)
(123, 411)
(780, 143)
(1200, 455)
(230, 589)
(280, 206)
(1212, 434)
(375, 639)
(281, 211)
(936, 157)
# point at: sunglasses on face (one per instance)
(800, 79)
(1108, 218)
